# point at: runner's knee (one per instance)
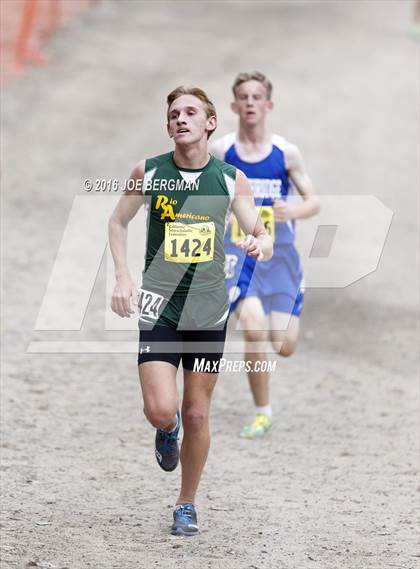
(285, 348)
(194, 417)
(159, 416)
(255, 335)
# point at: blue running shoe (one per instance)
(166, 447)
(185, 520)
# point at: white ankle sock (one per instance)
(265, 410)
(176, 426)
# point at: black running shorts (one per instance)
(200, 350)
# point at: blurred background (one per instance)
(84, 87)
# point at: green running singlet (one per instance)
(187, 211)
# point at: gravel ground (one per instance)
(335, 483)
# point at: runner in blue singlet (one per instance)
(268, 297)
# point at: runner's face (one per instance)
(251, 103)
(187, 120)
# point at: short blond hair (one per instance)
(209, 107)
(253, 76)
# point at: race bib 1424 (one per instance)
(189, 242)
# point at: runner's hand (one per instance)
(124, 297)
(282, 211)
(252, 247)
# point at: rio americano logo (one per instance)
(166, 205)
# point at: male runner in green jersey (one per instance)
(183, 303)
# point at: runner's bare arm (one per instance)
(296, 169)
(257, 243)
(126, 208)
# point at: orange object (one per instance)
(26, 25)
(24, 51)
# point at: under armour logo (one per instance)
(146, 349)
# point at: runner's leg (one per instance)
(198, 389)
(253, 321)
(284, 333)
(160, 397)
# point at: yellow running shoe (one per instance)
(257, 428)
